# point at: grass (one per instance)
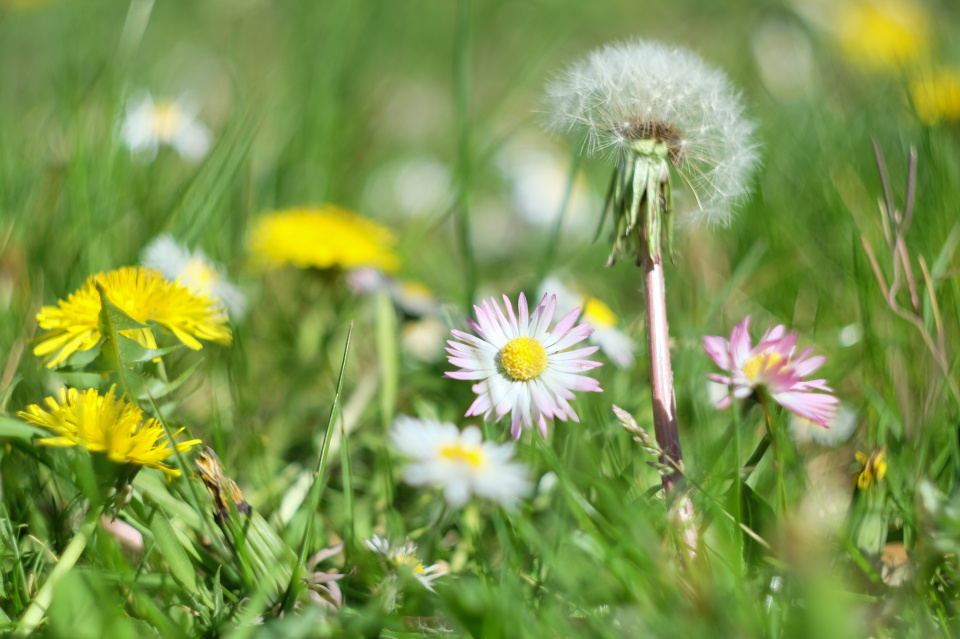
(326, 102)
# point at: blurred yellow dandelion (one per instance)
(883, 34)
(145, 296)
(936, 96)
(873, 468)
(104, 424)
(322, 237)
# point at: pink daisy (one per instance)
(771, 364)
(521, 367)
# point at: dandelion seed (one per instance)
(460, 463)
(195, 271)
(104, 424)
(873, 468)
(405, 558)
(771, 364)
(653, 107)
(149, 124)
(145, 296)
(520, 366)
(323, 237)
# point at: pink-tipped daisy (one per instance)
(522, 368)
(771, 364)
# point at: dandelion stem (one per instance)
(661, 381)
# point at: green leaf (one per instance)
(10, 427)
(387, 356)
(169, 546)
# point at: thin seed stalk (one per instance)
(656, 198)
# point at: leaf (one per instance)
(387, 356)
(168, 544)
(115, 346)
(10, 427)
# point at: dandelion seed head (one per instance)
(639, 90)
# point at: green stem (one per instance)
(462, 97)
(38, 607)
(777, 457)
(737, 505)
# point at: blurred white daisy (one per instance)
(613, 342)
(405, 558)
(520, 366)
(195, 271)
(839, 429)
(460, 463)
(424, 338)
(150, 123)
(412, 297)
(648, 99)
(538, 182)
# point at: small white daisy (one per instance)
(613, 342)
(520, 366)
(151, 123)
(459, 462)
(405, 557)
(194, 271)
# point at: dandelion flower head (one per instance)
(632, 96)
(873, 468)
(461, 463)
(882, 34)
(404, 557)
(324, 237)
(104, 424)
(144, 295)
(936, 96)
(771, 364)
(150, 123)
(195, 271)
(520, 365)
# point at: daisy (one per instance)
(771, 364)
(405, 558)
(322, 237)
(104, 424)
(151, 123)
(615, 344)
(520, 366)
(195, 271)
(144, 295)
(459, 462)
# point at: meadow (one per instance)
(280, 356)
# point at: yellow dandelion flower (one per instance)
(883, 34)
(145, 296)
(873, 468)
(936, 96)
(104, 424)
(323, 237)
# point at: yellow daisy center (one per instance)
(523, 358)
(198, 274)
(765, 362)
(167, 119)
(599, 314)
(407, 559)
(470, 454)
